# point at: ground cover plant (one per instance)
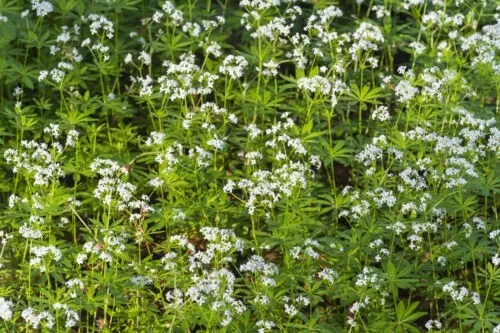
(249, 166)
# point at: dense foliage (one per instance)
(249, 166)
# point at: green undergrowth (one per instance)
(249, 166)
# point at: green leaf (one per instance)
(340, 152)
(314, 71)
(365, 94)
(7, 33)
(406, 314)
(299, 73)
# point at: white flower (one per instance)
(441, 260)
(213, 48)
(418, 47)
(367, 277)
(405, 91)
(175, 296)
(128, 58)
(456, 294)
(5, 309)
(156, 182)
(28, 232)
(381, 113)
(53, 130)
(228, 188)
(259, 4)
(271, 68)
(295, 251)
(101, 23)
(369, 154)
(42, 8)
(75, 282)
(72, 317)
(492, 235)
(265, 325)
(380, 11)
(232, 118)
(57, 75)
(192, 28)
(80, 258)
(476, 299)
(291, 310)
(18, 91)
(33, 319)
(72, 138)
(257, 264)
(233, 66)
(261, 299)
(328, 274)
(43, 75)
(252, 157)
(141, 281)
(316, 84)
(366, 38)
(63, 37)
(144, 57)
(431, 323)
(217, 143)
(155, 138)
(495, 260)
(253, 131)
(146, 86)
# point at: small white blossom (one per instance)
(144, 58)
(381, 113)
(42, 8)
(233, 66)
(5, 309)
